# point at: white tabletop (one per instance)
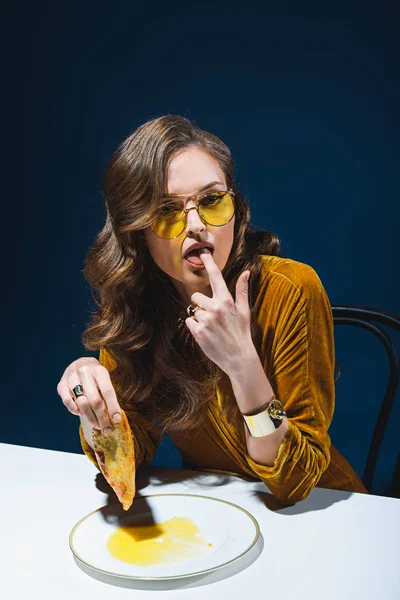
(333, 545)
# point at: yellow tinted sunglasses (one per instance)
(214, 208)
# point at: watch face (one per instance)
(275, 411)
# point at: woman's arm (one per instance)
(252, 391)
(296, 364)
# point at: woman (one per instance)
(205, 331)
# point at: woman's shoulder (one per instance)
(287, 287)
(297, 274)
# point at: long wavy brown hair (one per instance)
(159, 373)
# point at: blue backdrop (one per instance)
(304, 94)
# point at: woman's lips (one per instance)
(195, 261)
(194, 265)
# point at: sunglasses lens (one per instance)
(216, 209)
(169, 223)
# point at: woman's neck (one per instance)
(185, 292)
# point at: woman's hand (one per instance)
(222, 329)
(100, 394)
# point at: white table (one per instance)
(333, 545)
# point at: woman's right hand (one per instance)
(100, 394)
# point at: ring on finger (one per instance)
(77, 391)
(192, 309)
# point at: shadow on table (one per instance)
(159, 476)
(320, 498)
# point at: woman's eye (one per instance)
(167, 209)
(211, 199)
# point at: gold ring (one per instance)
(192, 310)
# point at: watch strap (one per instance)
(266, 421)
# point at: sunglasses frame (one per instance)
(186, 210)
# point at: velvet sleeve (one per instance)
(145, 438)
(298, 356)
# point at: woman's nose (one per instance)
(193, 222)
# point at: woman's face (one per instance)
(190, 171)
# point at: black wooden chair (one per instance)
(367, 318)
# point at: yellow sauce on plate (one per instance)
(144, 543)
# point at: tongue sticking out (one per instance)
(194, 257)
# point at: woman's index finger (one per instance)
(217, 280)
(107, 390)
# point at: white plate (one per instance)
(224, 534)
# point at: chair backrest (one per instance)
(367, 318)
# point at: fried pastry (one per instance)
(115, 453)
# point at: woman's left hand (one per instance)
(222, 328)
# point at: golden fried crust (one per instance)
(115, 453)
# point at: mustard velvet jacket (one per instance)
(298, 355)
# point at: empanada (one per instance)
(115, 453)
